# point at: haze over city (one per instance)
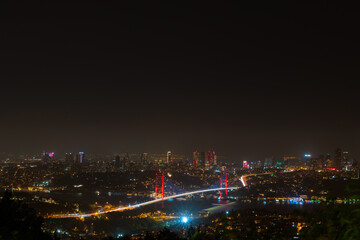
(242, 79)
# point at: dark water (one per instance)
(194, 208)
(92, 197)
(177, 206)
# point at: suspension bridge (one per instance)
(221, 186)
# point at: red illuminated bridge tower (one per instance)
(223, 182)
(157, 189)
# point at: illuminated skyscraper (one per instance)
(214, 162)
(306, 160)
(168, 157)
(196, 158)
(207, 160)
(345, 159)
(44, 156)
(210, 157)
(80, 157)
(246, 165)
(47, 156)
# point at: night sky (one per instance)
(247, 81)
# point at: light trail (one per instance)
(83, 215)
(243, 177)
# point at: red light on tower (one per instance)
(223, 181)
(221, 178)
(156, 188)
(162, 186)
(226, 183)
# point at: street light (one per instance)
(184, 219)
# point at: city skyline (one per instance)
(338, 159)
(172, 120)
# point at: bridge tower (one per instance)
(157, 179)
(223, 182)
(226, 183)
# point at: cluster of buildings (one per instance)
(69, 157)
(204, 159)
(201, 160)
(339, 160)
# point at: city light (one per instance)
(184, 219)
(246, 165)
(215, 121)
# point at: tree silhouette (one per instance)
(166, 234)
(18, 221)
(149, 236)
(333, 221)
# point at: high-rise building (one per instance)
(202, 159)
(329, 162)
(321, 161)
(117, 162)
(291, 161)
(168, 157)
(338, 158)
(258, 164)
(211, 156)
(306, 160)
(80, 157)
(126, 161)
(69, 158)
(127, 157)
(214, 159)
(317, 163)
(44, 156)
(268, 162)
(208, 157)
(345, 160)
(144, 158)
(246, 165)
(47, 156)
(196, 158)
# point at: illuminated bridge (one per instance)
(81, 215)
(221, 186)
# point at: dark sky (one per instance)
(249, 81)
